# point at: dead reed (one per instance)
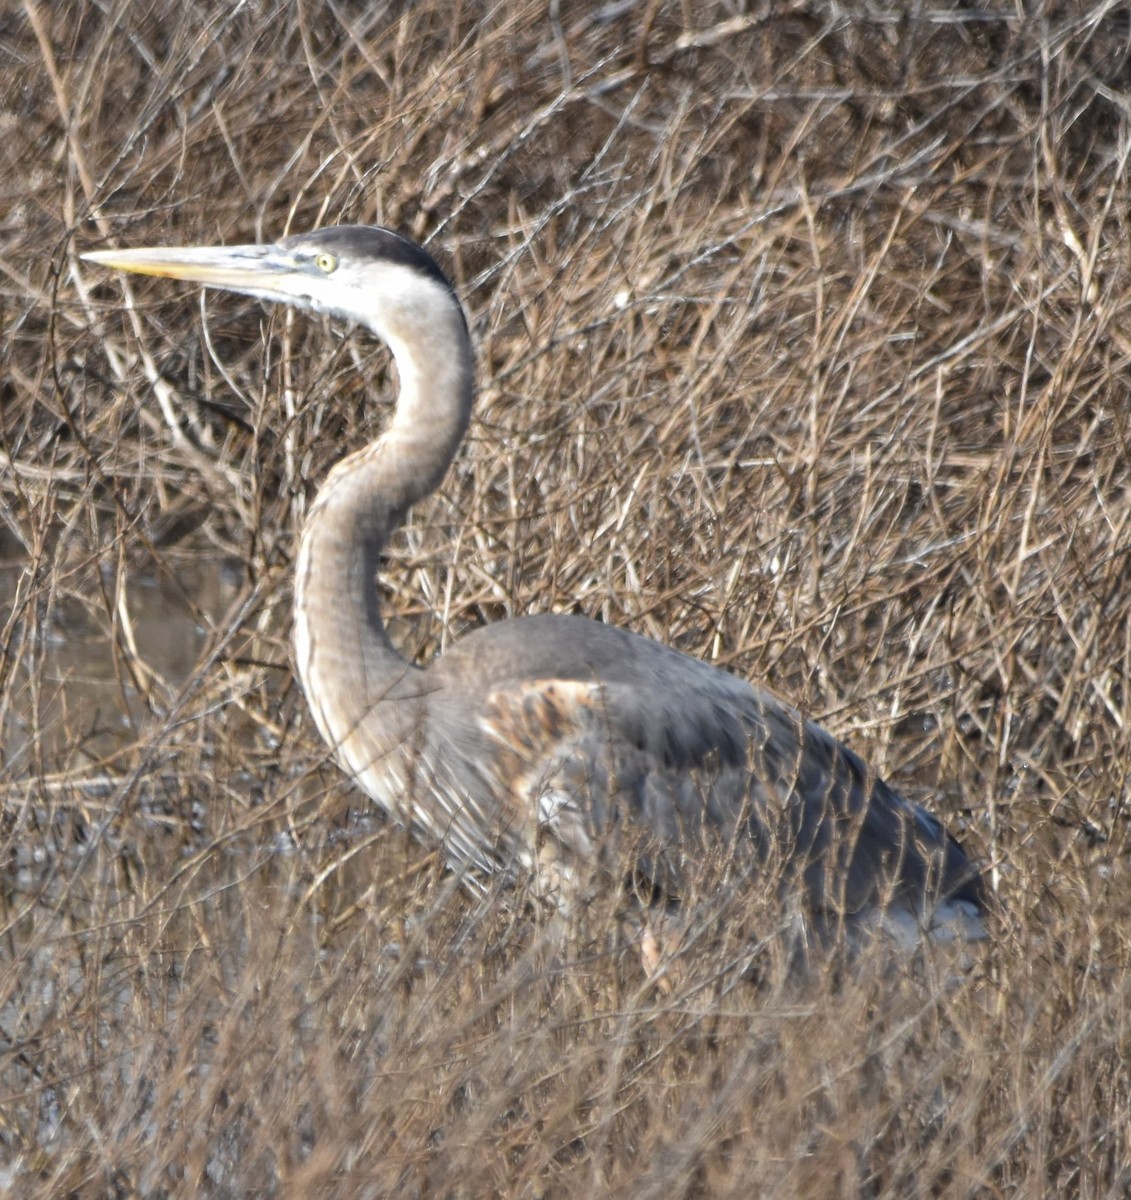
(804, 338)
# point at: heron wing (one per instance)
(687, 782)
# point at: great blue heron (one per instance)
(555, 743)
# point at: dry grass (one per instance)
(804, 340)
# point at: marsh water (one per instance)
(73, 698)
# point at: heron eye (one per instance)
(326, 263)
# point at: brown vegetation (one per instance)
(804, 343)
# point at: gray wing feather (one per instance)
(599, 742)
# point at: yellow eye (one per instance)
(326, 262)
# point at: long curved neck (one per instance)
(344, 657)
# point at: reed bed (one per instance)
(804, 334)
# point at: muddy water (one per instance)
(68, 697)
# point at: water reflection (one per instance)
(69, 693)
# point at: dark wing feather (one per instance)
(630, 745)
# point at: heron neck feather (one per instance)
(341, 645)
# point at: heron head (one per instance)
(365, 273)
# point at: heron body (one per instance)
(555, 744)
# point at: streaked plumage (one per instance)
(553, 743)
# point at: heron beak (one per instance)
(236, 268)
